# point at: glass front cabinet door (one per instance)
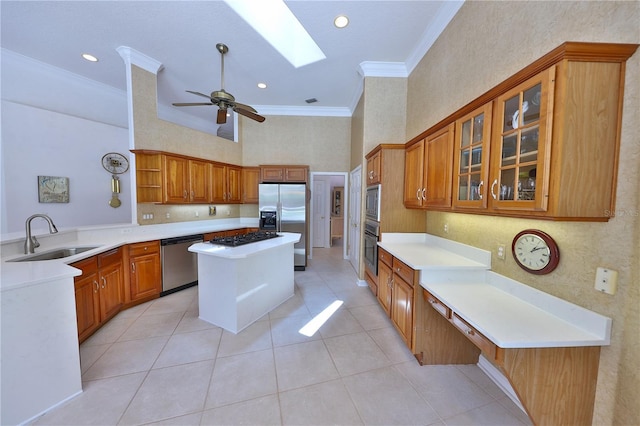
(471, 158)
(522, 142)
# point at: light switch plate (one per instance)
(606, 280)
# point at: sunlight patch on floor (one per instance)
(314, 325)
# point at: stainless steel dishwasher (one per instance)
(179, 265)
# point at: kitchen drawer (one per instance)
(110, 257)
(87, 265)
(404, 271)
(484, 344)
(147, 247)
(437, 304)
(384, 256)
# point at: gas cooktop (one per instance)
(242, 239)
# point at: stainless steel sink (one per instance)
(53, 254)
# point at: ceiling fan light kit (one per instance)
(223, 99)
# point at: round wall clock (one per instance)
(535, 251)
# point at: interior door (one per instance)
(320, 216)
(355, 200)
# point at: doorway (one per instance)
(323, 185)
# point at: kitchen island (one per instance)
(239, 285)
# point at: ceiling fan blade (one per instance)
(244, 107)
(198, 93)
(222, 116)
(249, 114)
(191, 104)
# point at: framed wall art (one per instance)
(53, 189)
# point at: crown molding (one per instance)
(133, 57)
(303, 110)
(382, 69)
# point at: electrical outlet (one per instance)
(446, 228)
(606, 280)
(197, 214)
(501, 254)
(212, 210)
(168, 215)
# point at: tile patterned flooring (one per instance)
(157, 363)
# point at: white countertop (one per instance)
(246, 250)
(513, 315)
(509, 313)
(423, 251)
(19, 274)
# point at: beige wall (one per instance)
(384, 111)
(486, 43)
(152, 133)
(323, 143)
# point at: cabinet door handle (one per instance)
(493, 184)
(480, 185)
(97, 286)
(133, 267)
(418, 194)
(104, 282)
(184, 194)
(424, 193)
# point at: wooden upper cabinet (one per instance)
(553, 144)
(176, 179)
(414, 175)
(283, 174)
(438, 164)
(428, 166)
(250, 182)
(374, 168)
(234, 184)
(199, 181)
(226, 183)
(522, 140)
(471, 159)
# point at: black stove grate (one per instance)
(242, 239)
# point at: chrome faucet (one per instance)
(31, 243)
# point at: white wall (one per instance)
(57, 124)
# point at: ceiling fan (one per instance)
(223, 99)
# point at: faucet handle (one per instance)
(36, 243)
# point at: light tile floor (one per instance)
(157, 363)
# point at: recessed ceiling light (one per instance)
(341, 21)
(89, 57)
(262, 85)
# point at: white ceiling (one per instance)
(383, 38)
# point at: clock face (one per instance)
(535, 252)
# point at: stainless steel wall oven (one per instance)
(371, 237)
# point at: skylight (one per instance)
(274, 21)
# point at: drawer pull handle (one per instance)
(470, 332)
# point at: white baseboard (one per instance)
(361, 283)
(499, 379)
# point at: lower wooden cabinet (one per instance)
(145, 270)
(87, 292)
(395, 293)
(99, 290)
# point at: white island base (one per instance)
(239, 285)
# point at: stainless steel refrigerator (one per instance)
(283, 208)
